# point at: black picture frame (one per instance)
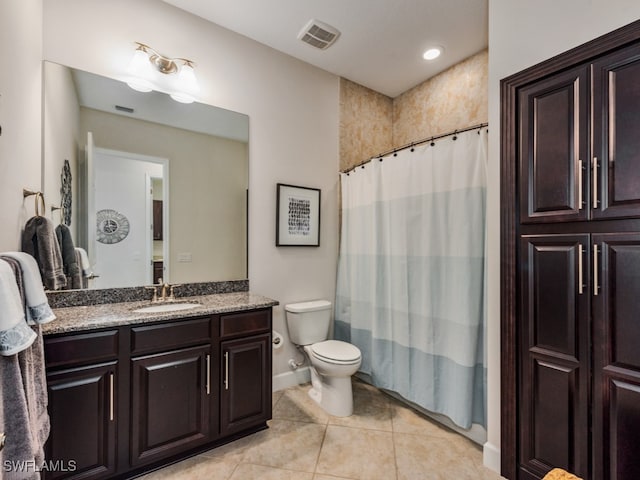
(297, 216)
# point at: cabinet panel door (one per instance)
(246, 383)
(553, 148)
(169, 403)
(82, 414)
(554, 358)
(616, 142)
(617, 357)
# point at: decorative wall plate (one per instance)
(113, 227)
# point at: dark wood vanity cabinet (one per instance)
(245, 387)
(83, 376)
(571, 263)
(171, 394)
(125, 400)
(81, 412)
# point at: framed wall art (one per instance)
(297, 216)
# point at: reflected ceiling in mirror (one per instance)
(201, 191)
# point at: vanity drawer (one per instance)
(243, 323)
(167, 336)
(81, 348)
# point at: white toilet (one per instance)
(332, 361)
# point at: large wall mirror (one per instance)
(159, 189)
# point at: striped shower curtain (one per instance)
(411, 274)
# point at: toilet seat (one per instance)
(336, 352)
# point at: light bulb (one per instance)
(187, 85)
(432, 53)
(140, 71)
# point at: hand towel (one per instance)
(17, 273)
(85, 264)
(38, 309)
(23, 411)
(39, 240)
(15, 334)
(68, 251)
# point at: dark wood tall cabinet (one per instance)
(571, 263)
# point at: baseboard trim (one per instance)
(290, 379)
(491, 457)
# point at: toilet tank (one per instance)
(308, 322)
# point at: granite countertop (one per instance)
(75, 319)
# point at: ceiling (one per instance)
(381, 41)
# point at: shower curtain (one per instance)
(411, 273)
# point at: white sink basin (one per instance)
(166, 307)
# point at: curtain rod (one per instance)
(420, 142)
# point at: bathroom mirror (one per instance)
(159, 188)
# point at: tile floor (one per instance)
(382, 440)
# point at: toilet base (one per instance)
(333, 394)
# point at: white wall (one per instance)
(20, 114)
(293, 110)
(521, 34)
(60, 137)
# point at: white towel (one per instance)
(84, 260)
(38, 309)
(15, 334)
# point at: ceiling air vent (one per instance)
(318, 34)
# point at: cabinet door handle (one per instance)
(595, 270)
(111, 380)
(226, 370)
(580, 186)
(580, 273)
(208, 374)
(3, 437)
(594, 193)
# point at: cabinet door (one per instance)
(157, 220)
(554, 355)
(553, 148)
(83, 428)
(616, 138)
(245, 399)
(169, 403)
(616, 341)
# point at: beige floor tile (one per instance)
(371, 409)
(275, 397)
(384, 439)
(407, 420)
(286, 444)
(431, 458)
(233, 451)
(295, 404)
(196, 468)
(329, 477)
(249, 471)
(357, 453)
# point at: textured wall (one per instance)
(454, 99)
(372, 123)
(366, 126)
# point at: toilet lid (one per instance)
(335, 350)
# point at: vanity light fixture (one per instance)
(145, 65)
(432, 53)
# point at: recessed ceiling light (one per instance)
(432, 53)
